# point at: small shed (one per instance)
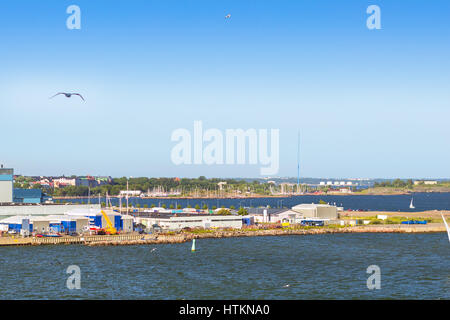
(127, 223)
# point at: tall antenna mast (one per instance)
(298, 162)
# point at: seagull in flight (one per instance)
(228, 16)
(68, 95)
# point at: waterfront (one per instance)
(422, 201)
(413, 266)
(189, 235)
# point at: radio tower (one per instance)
(298, 163)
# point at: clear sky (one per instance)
(368, 103)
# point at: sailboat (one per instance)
(446, 226)
(193, 245)
(411, 205)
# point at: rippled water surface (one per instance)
(413, 266)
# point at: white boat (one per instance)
(411, 205)
(446, 226)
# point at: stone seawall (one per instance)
(185, 237)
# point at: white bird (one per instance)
(68, 95)
(153, 250)
(286, 286)
(228, 16)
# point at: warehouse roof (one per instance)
(51, 219)
(269, 210)
(310, 206)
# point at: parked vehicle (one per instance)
(312, 223)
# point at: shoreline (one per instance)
(182, 237)
(263, 196)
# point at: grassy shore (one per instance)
(431, 216)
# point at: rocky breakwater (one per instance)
(182, 237)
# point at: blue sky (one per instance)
(368, 103)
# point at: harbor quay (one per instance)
(54, 220)
(186, 236)
(94, 224)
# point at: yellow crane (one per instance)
(110, 229)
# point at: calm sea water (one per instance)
(422, 201)
(413, 266)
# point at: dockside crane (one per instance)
(110, 229)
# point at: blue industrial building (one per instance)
(98, 222)
(27, 196)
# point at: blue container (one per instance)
(118, 222)
(97, 220)
(15, 226)
(69, 226)
(415, 222)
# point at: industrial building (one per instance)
(27, 196)
(73, 221)
(294, 215)
(324, 211)
(122, 223)
(46, 224)
(272, 215)
(180, 221)
(32, 209)
(6, 185)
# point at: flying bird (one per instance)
(68, 95)
(228, 16)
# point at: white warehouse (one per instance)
(178, 222)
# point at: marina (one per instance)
(226, 155)
(422, 202)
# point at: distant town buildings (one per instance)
(64, 182)
(428, 182)
(338, 183)
(130, 193)
(61, 182)
(221, 184)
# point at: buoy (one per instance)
(193, 245)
